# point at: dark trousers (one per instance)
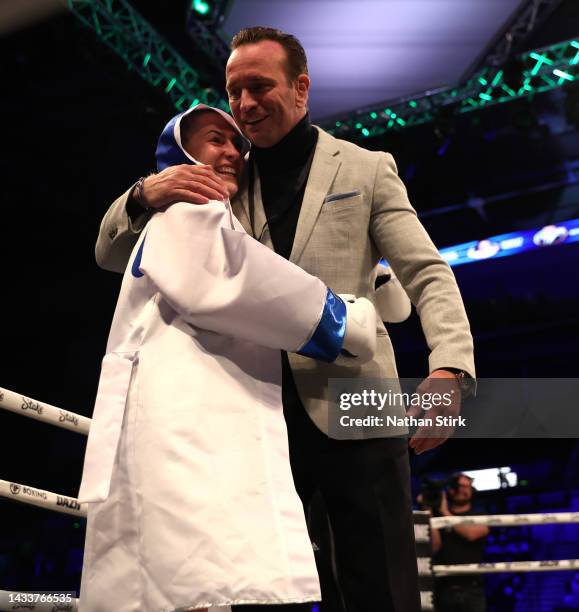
(461, 599)
(359, 491)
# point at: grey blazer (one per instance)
(355, 210)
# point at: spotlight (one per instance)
(201, 7)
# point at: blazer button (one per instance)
(113, 233)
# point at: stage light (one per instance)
(504, 245)
(201, 7)
(497, 79)
(540, 59)
(170, 85)
(493, 478)
(563, 75)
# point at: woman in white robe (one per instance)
(187, 474)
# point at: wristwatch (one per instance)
(138, 194)
(466, 382)
(136, 205)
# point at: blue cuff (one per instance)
(328, 338)
(136, 267)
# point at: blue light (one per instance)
(514, 243)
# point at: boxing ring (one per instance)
(428, 572)
(423, 522)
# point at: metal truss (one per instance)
(206, 39)
(532, 72)
(532, 15)
(127, 33)
(216, 11)
(204, 32)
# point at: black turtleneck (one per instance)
(283, 171)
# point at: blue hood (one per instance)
(170, 151)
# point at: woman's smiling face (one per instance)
(212, 141)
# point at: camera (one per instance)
(431, 493)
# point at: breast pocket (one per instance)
(336, 197)
(340, 234)
(339, 205)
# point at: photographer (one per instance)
(459, 544)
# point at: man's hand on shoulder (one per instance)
(184, 183)
(444, 399)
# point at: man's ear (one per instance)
(302, 88)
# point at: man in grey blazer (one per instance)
(334, 209)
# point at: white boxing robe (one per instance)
(191, 497)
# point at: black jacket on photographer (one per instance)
(456, 549)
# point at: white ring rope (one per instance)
(506, 520)
(9, 400)
(46, 413)
(41, 498)
(506, 566)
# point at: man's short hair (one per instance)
(455, 479)
(297, 62)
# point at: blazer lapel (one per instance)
(240, 207)
(324, 168)
(260, 226)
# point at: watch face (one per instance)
(466, 383)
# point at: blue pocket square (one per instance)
(341, 196)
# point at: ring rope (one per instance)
(20, 404)
(41, 498)
(506, 566)
(65, 419)
(506, 520)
